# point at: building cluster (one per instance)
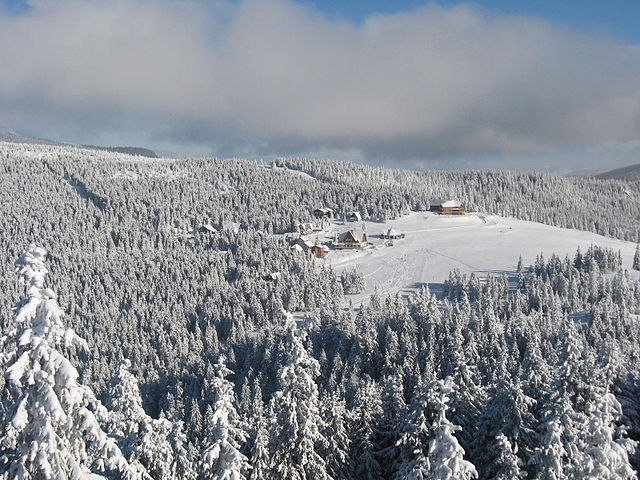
(356, 238)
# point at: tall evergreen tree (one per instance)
(295, 409)
(336, 449)
(430, 447)
(51, 423)
(159, 445)
(366, 416)
(222, 458)
(446, 456)
(605, 455)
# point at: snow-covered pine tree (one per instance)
(366, 416)
(391, 424)
(295, 409)
(550, 459)
(604, 448)
(434, 450)
(430, 447)
(156, 444)
(636, 258)
(413, 444)
(446, 456)
(222, 458)
(506, 462)
(50, 421)
(125, 405)
(336, 451)
(260, 452)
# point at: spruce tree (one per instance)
(295, 409)
(430, 448)
(50, 422)
(366, 417)
(222, 458)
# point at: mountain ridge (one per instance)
(12, 136)
(630, 172)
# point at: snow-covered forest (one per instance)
(135, 346)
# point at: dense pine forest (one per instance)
(136, 346)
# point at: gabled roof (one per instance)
(349, 237)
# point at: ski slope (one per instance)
(434, 245)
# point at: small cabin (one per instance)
(320, 251)
(352, 239)
(323, 213)
(354, 217)
(206, 228)
(392, 234)
(448, 207)
(306, 228)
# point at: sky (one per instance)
(542, 85)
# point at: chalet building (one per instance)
(448, 207)
(302, 245)
(351, 239)
(320, 251)
(354, 217)
(323, 213)
(308, 228)
(392, 234)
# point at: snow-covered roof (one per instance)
(352, 236)
(305, 242)
(391, 232)
(208, 227)
(446, 203)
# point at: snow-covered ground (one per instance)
(434, 245)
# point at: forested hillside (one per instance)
(195, 366)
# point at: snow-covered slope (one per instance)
(434, 245)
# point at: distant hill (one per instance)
(9, 135)
(142, 152)
(632, 172)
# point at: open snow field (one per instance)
(434, 245)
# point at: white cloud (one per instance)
(274, 76)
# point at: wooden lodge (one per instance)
(320, 251)
(448, 207)
(351, 239)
